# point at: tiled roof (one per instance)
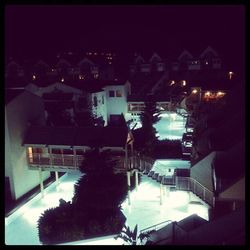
(77, 136)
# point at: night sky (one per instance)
(48, 29)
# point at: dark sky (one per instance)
(45, 29)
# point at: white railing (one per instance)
(71, 161)
(190, 184)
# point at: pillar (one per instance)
(57, 180)
(41, 182)
(160, 194)
(75, 159)
(128, 180)
(136, 179)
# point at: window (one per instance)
(111, 93)
(118, 93)
(95, 101)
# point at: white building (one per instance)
(21, 110)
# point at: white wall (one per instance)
(25, 108)
(101, 109)
(117, 105)
(202, 171)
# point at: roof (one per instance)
(77, 136)
(10, 94)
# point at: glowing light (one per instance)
(110, 63)
(62, 80)
(220, 94)
(194, 91)
(206, 62)
(184, 83)
(172, 82)
(230, 73)
(90, 53)
(81, 77)
(95, 54)
(207, 93)
(52, 70)
(33, 77)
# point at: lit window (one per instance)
(30, 156)
(194, 91)
(111, 93)
(118, 93)
(220, 94)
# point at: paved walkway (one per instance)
(145, 209)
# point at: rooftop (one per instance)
(80, 136)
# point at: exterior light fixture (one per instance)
(172, 82)
(230, 75)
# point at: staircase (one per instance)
(159, 174)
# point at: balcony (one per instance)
(65, 162)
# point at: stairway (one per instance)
(160, 175)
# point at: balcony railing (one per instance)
(190, 184)
(69, 161)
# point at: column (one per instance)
(75, 159)
(160, 194)
(50, 157)
(128, 180)
(57, 180)
(41, 182)
(136, 179)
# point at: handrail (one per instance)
(154, 226)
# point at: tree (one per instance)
(84, 116)
(148, 117)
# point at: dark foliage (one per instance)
(95, 209)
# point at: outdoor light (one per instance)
(33, 77)
(184, 83)
(62, 80)
(194, 91)
(230, 75)
(207, 93)
(172, 83)
(220, 93)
